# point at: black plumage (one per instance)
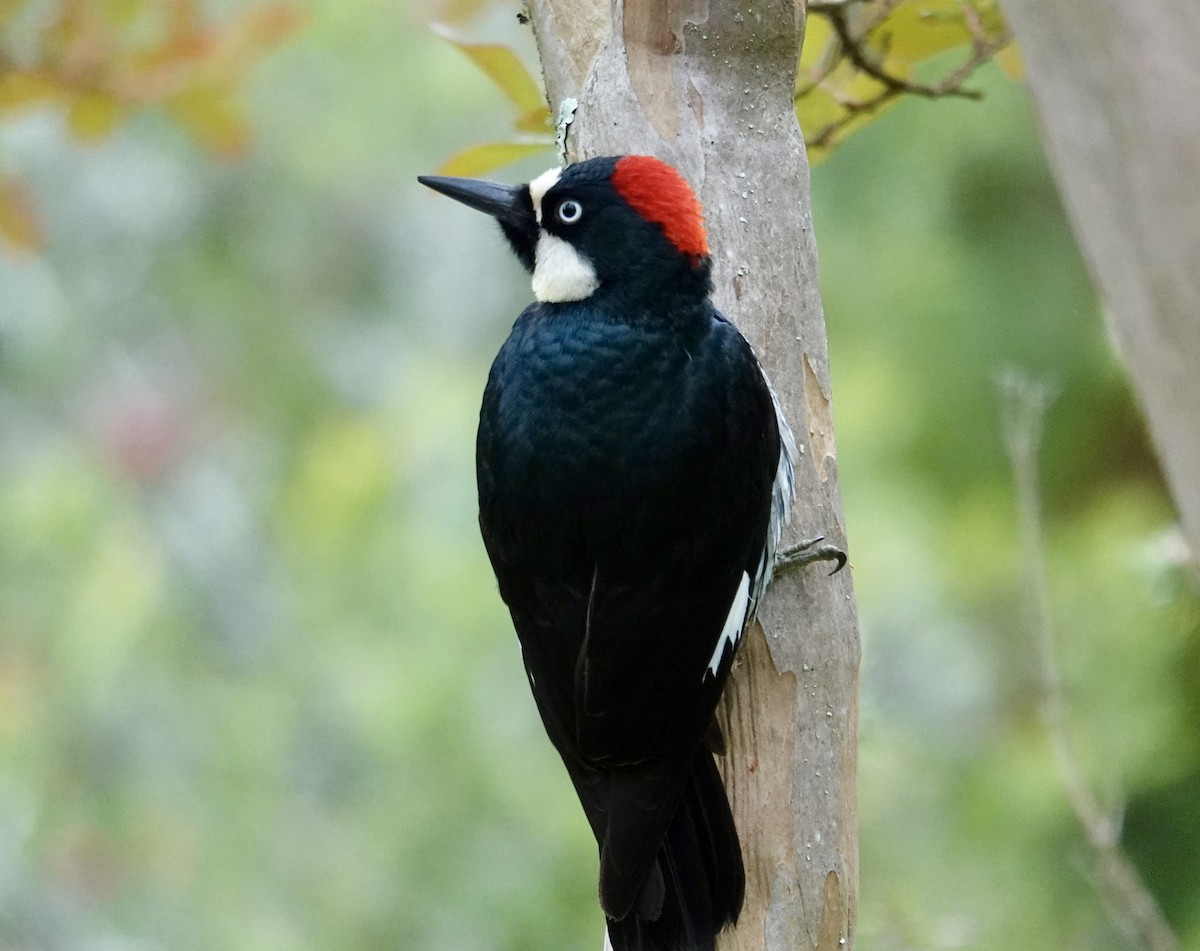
(633, 478)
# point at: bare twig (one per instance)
(1131, 905)
(852, 47)
(856, 52)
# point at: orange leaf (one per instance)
(250, 35)
(19, 225)
(461, 11)
(270, 25)
(536, 121)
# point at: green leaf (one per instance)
(504, 67)
(479, 159)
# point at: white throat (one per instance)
(560, 273)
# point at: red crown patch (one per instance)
(660, 194)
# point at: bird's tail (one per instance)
(699, 881)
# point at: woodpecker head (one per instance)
(626, 227)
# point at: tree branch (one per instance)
(853, 47)
(709, 89)
(1117, 89)
(1131, 905)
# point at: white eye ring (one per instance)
(569, 212)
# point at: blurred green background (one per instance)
(257, 689)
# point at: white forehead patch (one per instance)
(560, 273)
(539, 186)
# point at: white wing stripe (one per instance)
(783, 494)
(731, 633)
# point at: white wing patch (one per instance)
(731, 633)
(560, 273)
(783, 494)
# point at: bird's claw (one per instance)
(807, 552)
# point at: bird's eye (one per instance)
(570, 212)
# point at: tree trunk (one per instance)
(708, 87)
(1117, 86)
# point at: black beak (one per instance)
(508, 204)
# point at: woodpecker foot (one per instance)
(807, 552)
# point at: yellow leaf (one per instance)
(19, 225)
(492, 155)
(818, 37)
(919, 29)
(93, 116)
(861, 88)
(211, 117)
(28, 89)
(991, 18)
(503, 67)
(818, 109)
(818, 154)
(1011, 62)
(846, 98)
(848, 85)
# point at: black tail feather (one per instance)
(699, 869)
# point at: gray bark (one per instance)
(708, 87)
(1117, 87)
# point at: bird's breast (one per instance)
(589, 415)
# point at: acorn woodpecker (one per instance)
(635, 474)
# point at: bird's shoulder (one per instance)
(578, 345)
